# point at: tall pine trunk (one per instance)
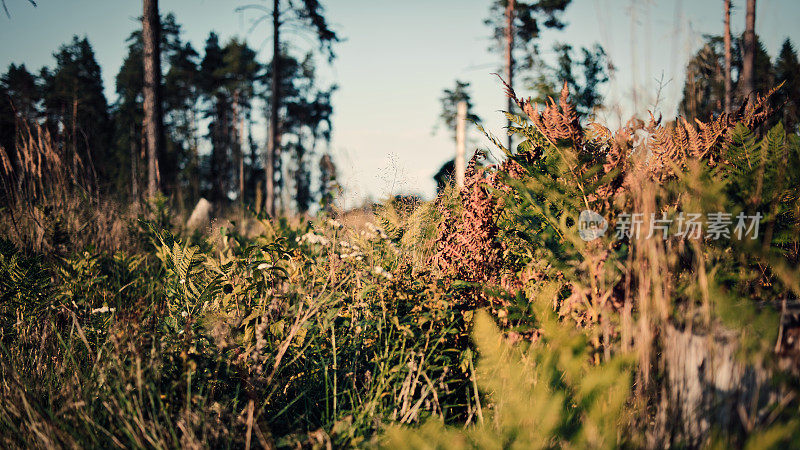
(510, 57)
(153, 118)
(238, 142)
(749, 50)
(273, 145)
(727, 39)
(134, 165)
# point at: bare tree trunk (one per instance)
(241, 160)
(153, 119)
(273, 145)
(727, 38)
(238, 129)
(134, 166)
(461, 139)
(74, 136)
(510, 57)
(749, 50)
(195, 156)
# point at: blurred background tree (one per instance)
(447, 118)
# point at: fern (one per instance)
(541, 397)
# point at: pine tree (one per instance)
(179, 102)
(726, 36)
(20, 96)
(242, 71)
(704, 88)
(76, 108)
(449, 101)
(328, 182)
(217, 109)
(307, 113)
(8, 121)
(516, 27)
(748, 84)
(23, 91)
(181, 92)
(228, 79)
(787, 71)
(128, 117)
(309, 16)
(585, 87)
(153, 113)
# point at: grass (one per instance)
(479, 320)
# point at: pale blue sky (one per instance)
(399, 55)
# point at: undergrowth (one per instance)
(479, 320)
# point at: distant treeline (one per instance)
(212, 101)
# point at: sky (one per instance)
(398, 56)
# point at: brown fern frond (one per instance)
(594, 132)
(509, 91)
(556, 122)
(467, 245)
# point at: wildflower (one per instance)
(335, 224)
(378, 231)
(378, 270)
(103, 309)
(312, 238)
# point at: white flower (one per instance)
(335, 224)
(312, 238)
(184, 314)
(103, 309)
(378, 270)
(378, 231)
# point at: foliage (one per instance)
(287, 332)
(530, 19)
(450, 99)
(545, 396)
(585, 87)
(210, 98)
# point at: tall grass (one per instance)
(50, 197)
(481, 319)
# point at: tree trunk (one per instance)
(749, 50)
(510, 57)
(273, 145)
(134, 166)
(707, 388)
(461, 140)
(238, 131)
(727, 38)
(153, 119)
